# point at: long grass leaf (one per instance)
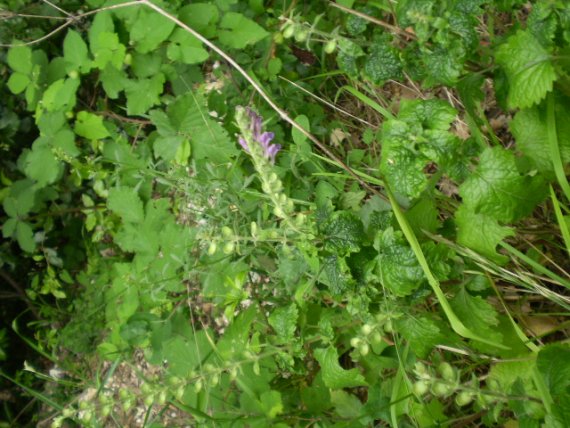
(561, 221)
(554, 149)
(368, 101)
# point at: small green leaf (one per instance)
(60, 95)
(334, 376)
(108, 50)
(528, 68)
(343, 233)
(186, 48)
(25, 236)
(20, 59)
(298, 137)
(284, 322)
(150, 30)
(271, 403)
(126, 203)
(237, 31)
(9, 227)
(90, 126)
(42, 166)
(142, 94)
(481, 233)
(18, 82)
(75, 53)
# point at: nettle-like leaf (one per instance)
(126, 202)
(496, 188)
(481, 233)
(553, 363)
(202, 17)
(337, 274)
(284, 322)
(186, 48)
(531, 134)
(421, 332)
(347, 58)
(477, 314)
(383, 62)
(398, 266)
(528, 67)
(334, 376)
(343, 233)
(237, 31)
(419, 136)
(90, 126)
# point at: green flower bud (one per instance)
(366, 329)
(214, 379)
(440, 389)
(376, 338)
(463, 398)
(57, 422)
(84, 405)
(254, 229)
(420, 388)
(447, 371)
(198, 386)
(355, 341)
(301, 35)
(289, 31)
(389, 327)
(161, 397)
(106, 410)
(330, 46)
(212, 249)
(227, 232)
(127, 404)
(256, 368)
(149, 400)
(68, 412)
(229, 248)
(278, 38)
(87, 416)
(233, 373)
(363, 348)
(179, 393)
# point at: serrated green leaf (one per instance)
(60, 95)
(337, 274)
(553, 363)
(126, 202)
(90, 126)
(383, 62)
(346, 405)
(142, 94)
(421, 332)
(284, 322)
(237, 31)
(334, 376)
(149, 30)
(102, 23)
(41, 165)
(343, 233)
(9, 227)
(298, 137)
(477, 314)
(528, 68)
(496, 188)
(347, 58)
(531, 135)
(481, 233)
(108, 50)
(271, 403)
(18, 82)
(399, 269)
(20, 59)
(64, 140)
(75, 53)
(186, 48)
(113, 80)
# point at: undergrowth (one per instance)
(281, 213)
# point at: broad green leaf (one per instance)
(108, 50)
(150, 30)
(531, 134)
(477, 314)
(528, 67)
(42, 166)
(167, 147)
(346, 405)
(142, 94)
(298, 137)
(113, 80)
(90, 126)
(20, 59)
(9, 227)
(102, 23)
(383, 62)
(334, 376)
(75, 53)
(337, 274)
(343, 233)
(201, 17)
(421, 332)
(347, 58)
(186, 48)
(237, 31)
(126, 203)
(18, 82)
(398, 266)
(271, 403)
(64, 140)
(553, 363)
(25, 236)
(496, 188)
(21, 198)
(481, 233)
(60, 95)
(284, 321)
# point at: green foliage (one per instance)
(231, 267)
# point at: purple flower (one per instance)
(263, 138)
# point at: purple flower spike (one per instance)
(243, 143)
(272, 151)
(263, 138)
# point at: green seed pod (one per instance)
(73, 74)
(440, 389)
(420, 369)
(212, 248)
(106, 410)
(389, 327)
(161, 397)
(227, 232)
(146, 388)
(256, 368)
(330, 46)
(301, 35)
(447, 371)
(364, 348)
(278, 38)
(83, 405)
(366, 329)
(254, 229)
(355, 341)
(233, 373)
(179, 393)
(214, 379)
(128, 59)
(57, 422)
(289, 31)
(376, 338)
(463, 398)
(128, 404)
(198, 386)
(229, 248)
(68, 412)
(420, 388)
(149, 400)
(87, 416)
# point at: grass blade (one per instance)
(554, 149)
(561, 221)
(368, 101)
